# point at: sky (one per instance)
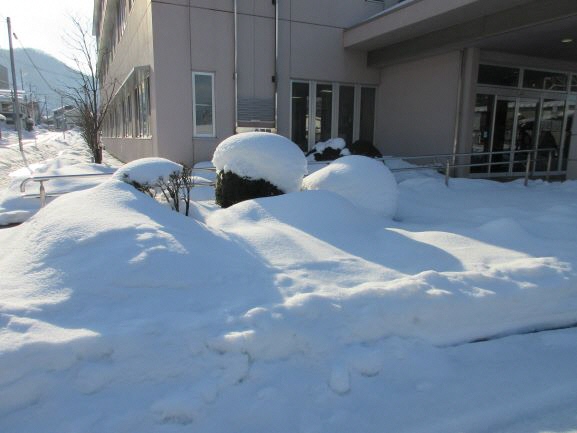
(41, 24)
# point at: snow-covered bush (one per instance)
(146, 172)
(158, 175)
(365, 182)
(257, 164)
(335, 148)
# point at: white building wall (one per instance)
(133, 49)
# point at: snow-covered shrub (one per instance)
(365, 182)
(146, 173)
(335, 148)
(328, 150)
(257, 164)
(158, 175)
(365, 148)
(231, 189)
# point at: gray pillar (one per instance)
(469, 72)
(572, 159)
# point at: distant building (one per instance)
(65, 117)
(490, 78)
(4, 83)
(7, 105)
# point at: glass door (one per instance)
(526, 133)
(482, 132)
(503, 133)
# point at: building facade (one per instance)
(482, 77)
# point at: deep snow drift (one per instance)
(296, 313)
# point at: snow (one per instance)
(49, 153)
(147, 171)
(365, 182)
(295, 313)
(262, 155)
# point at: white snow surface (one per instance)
(147, 171)
(365, 182)
(49, 153)
(295, 313)
(262, 155)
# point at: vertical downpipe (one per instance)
(459, 108)
(235, 77)
(276, 20)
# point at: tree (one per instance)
(90, 97)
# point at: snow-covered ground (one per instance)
(48, 153)
(296, 313)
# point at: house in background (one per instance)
(7, 104)
(65, 117)
(4, 83)
(414, 77)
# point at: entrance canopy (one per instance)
(538, 28)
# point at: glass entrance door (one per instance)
(526, 133)
(504, 128)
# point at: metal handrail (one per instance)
(446, 166)
(42, 179)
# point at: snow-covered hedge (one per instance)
(365, 182)
(257, 164)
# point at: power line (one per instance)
(36, 67)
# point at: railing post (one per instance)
(42, 194)
(549, 161)
(527, 168)
(447, 171)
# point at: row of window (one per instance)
(129, 112)
(527, 78)
(118, 21)
(328, 109)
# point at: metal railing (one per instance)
(447, 163)
(42, 189)
(441, 163)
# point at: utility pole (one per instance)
(16, 104)
(32, 110)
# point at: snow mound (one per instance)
(365, 182)
(262, 155)
(147, 171)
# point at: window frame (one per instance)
(195, 132)
(336, 85)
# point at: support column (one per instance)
(572, 158)
(469, 72)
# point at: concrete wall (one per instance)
(417, 106)
(134, 49)
(172, 81)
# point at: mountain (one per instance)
(48, 77)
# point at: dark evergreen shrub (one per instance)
(365, 148)
(328, 154)
(232, 188)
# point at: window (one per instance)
(498, 76)
(574, 83)
(346, 112)
(203, 104)
(543, 80)
(141, 96)
(299, 114)
(320, 111)
(324, 112)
